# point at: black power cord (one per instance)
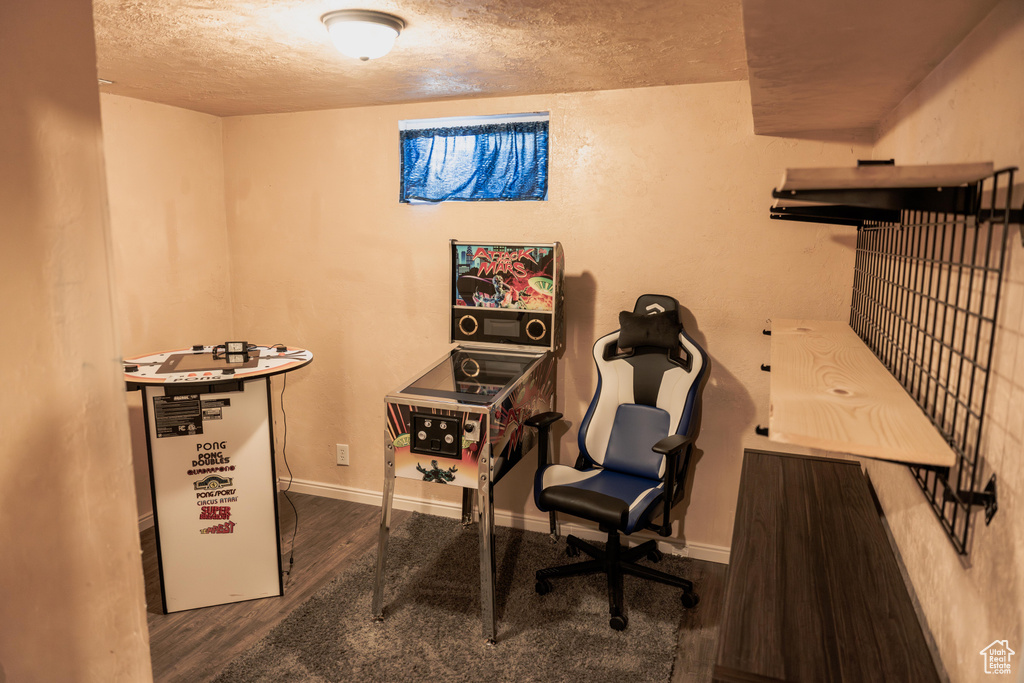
(291, 477)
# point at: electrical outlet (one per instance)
(342, 453)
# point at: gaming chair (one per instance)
(634, 448)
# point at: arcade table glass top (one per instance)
(472, 376)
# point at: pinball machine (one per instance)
(460, 422)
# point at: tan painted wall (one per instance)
(971, 108)
(72, 606)
(652, 190)
(165, 173)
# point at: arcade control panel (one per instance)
(212, 364)
(441, 436)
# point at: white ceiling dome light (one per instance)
(362, 34)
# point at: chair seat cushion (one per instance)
(609, 498)
(581, 502)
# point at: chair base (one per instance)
(615, 561)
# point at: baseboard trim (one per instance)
(145, 521)
(698, 551)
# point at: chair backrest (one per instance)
(651, 374)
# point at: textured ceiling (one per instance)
(814, 65)
(230, 57)
(843, 65)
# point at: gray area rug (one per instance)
(432, 627)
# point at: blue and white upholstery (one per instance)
(634, 442)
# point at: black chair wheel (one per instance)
(618, 622)
(655, 555)
(543, 587)
(690, 600)
(572, 551)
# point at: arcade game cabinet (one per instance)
(210, 441)
(460, 421)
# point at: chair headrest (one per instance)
(653, 322)
(655, 303)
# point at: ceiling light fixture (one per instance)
(363, 34)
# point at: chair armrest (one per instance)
(542, 423)
(543, 420)
(672, 444)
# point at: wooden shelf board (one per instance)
(829, 391)
(884, 177)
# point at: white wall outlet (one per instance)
(341, 451)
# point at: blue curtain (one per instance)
(492, 162)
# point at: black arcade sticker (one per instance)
(178, 415)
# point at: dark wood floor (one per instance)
(193, 646)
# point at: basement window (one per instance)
(475, 158)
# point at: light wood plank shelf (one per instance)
(830, 392)
(884, 176)
(942, 188)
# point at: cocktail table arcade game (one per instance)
(210, 443)
(460, 422)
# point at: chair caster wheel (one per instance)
(618, 622)
(543, 587)
(655, 555)
(690, 600)
(572, 551)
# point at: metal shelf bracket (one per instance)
(985, 498)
